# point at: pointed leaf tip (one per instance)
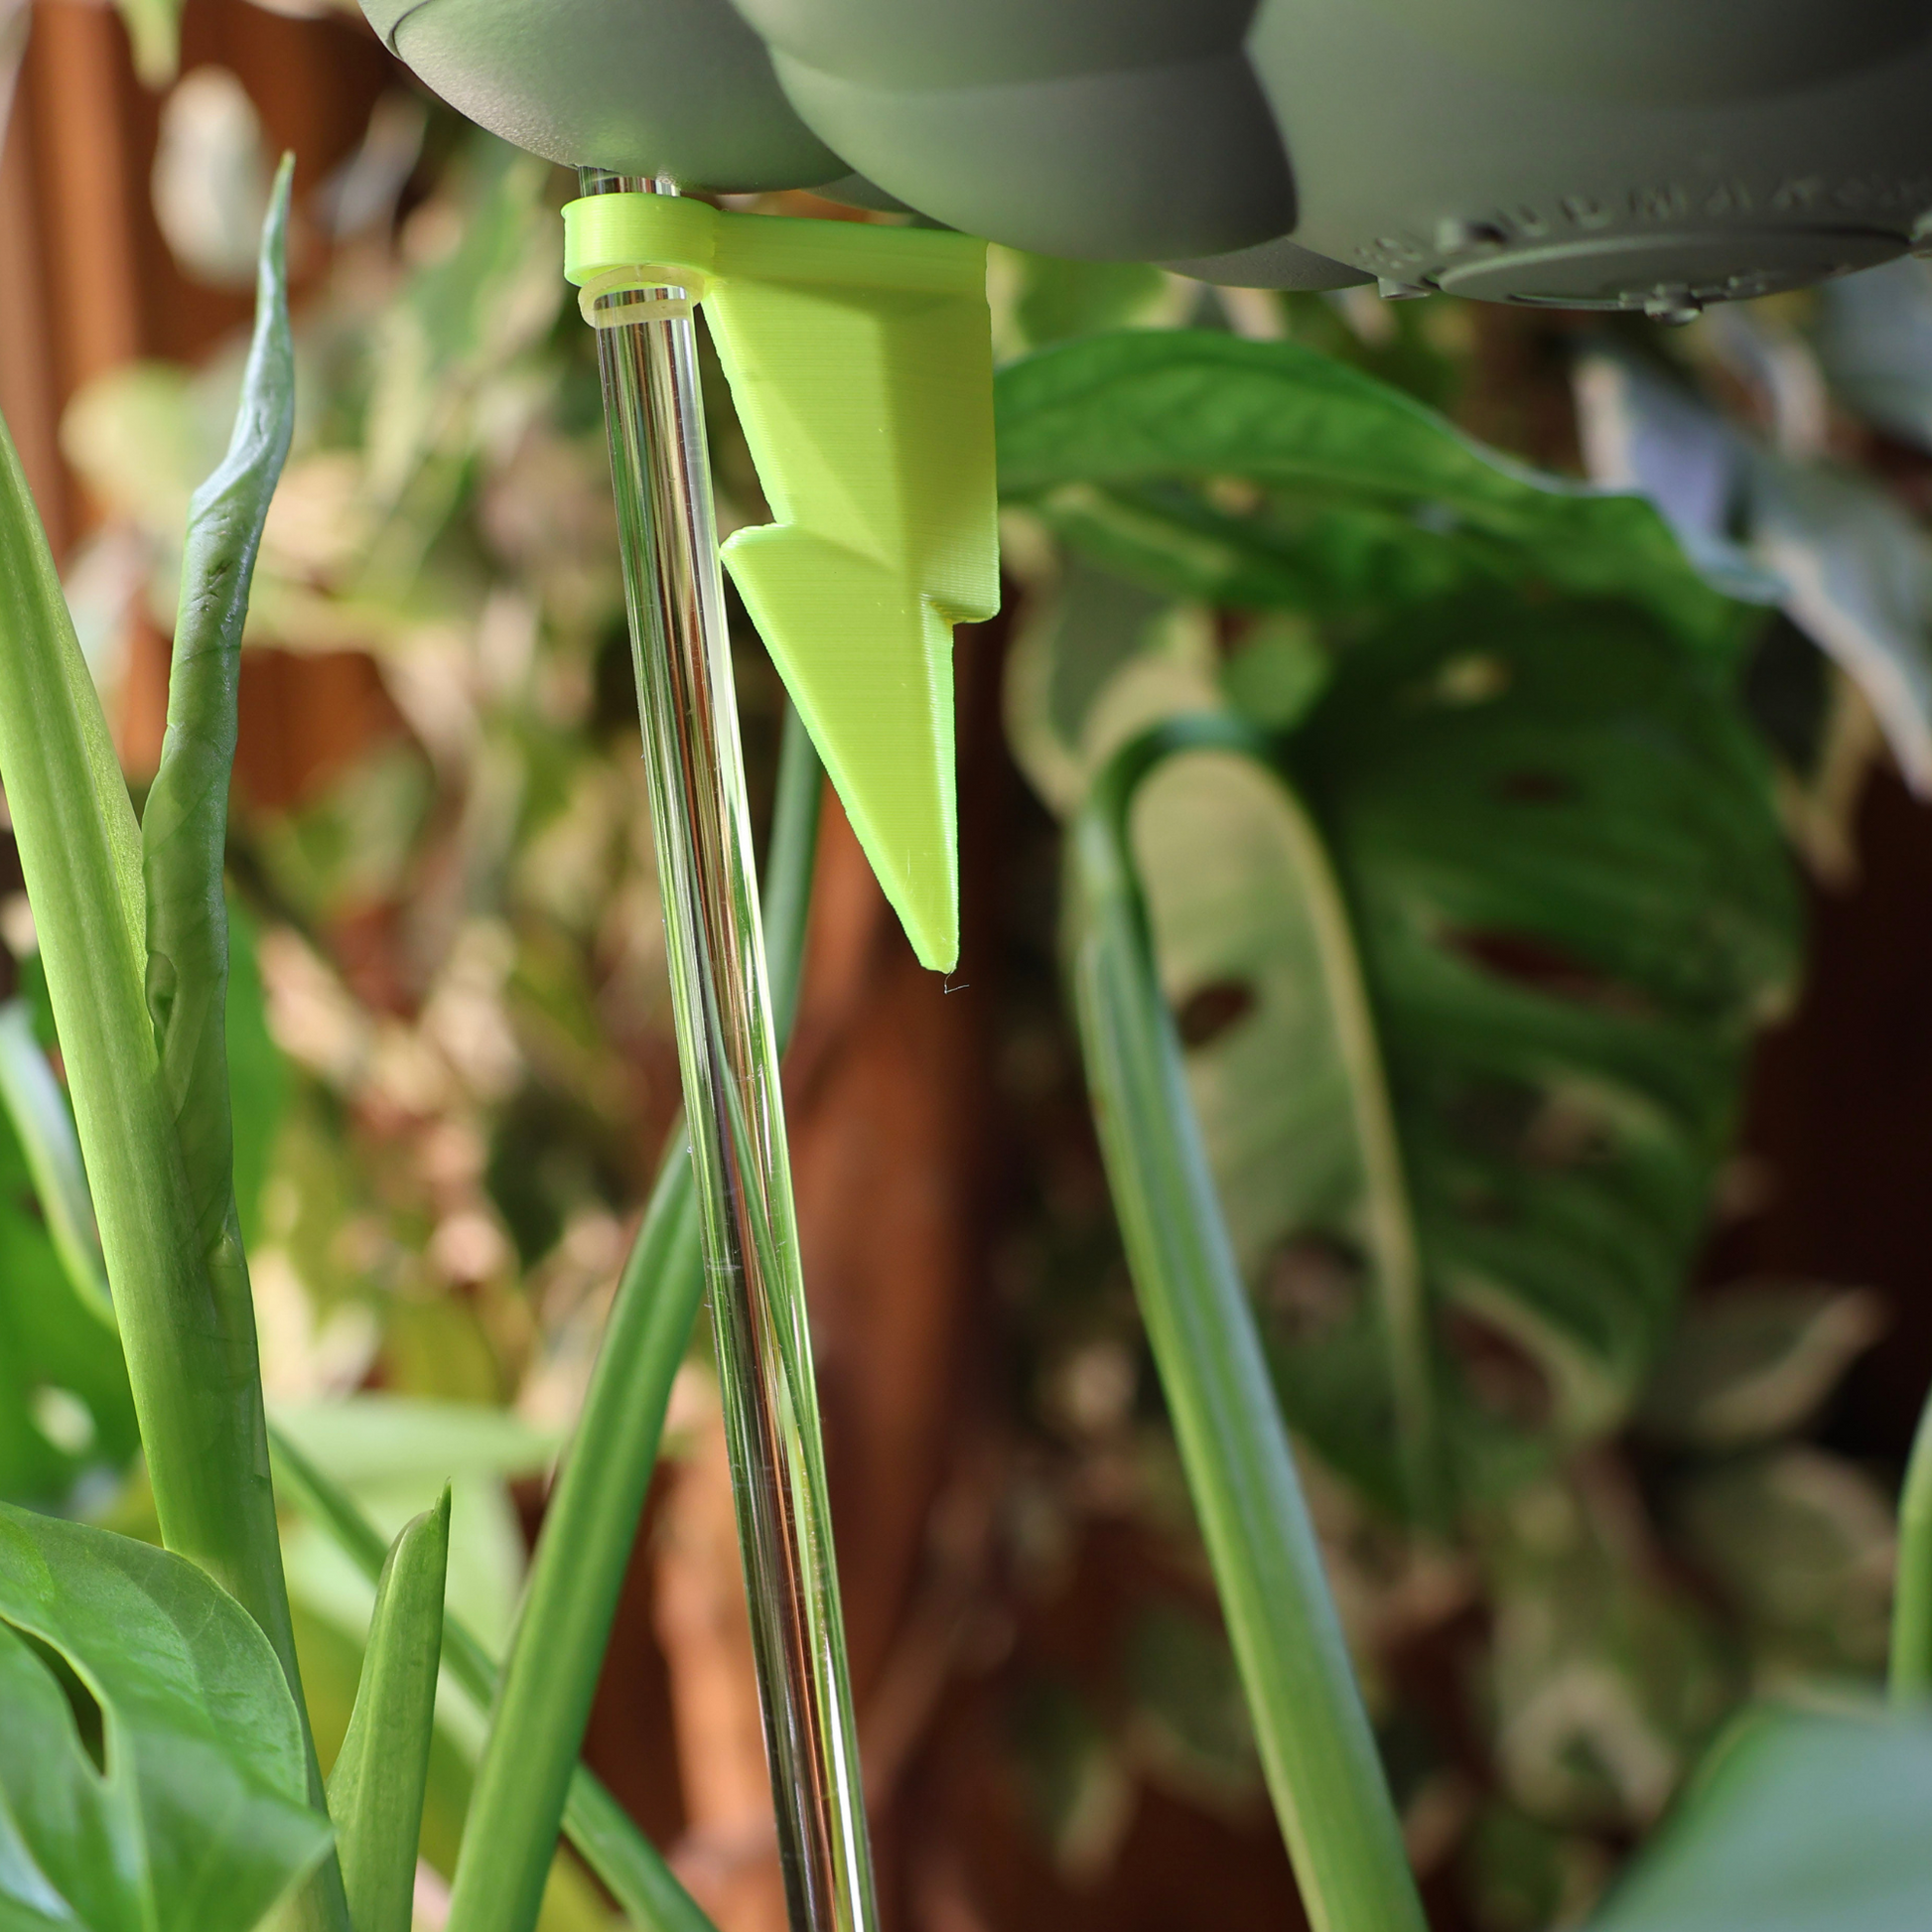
(375, 1790)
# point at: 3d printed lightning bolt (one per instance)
(860, 360)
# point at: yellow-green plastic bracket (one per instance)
(860, 358)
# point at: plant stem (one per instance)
(135, 970)
(590, 1524)
(1316, 1748)
(630, 1867)
(1911, 1611)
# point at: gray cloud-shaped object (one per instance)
(1595, 153)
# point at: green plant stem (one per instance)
(630, 1867)
(1316, 1748)
(590, 1524)
(128, 966)
(1911, 1611)
(787, 886)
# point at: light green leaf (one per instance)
(399, 1439)
(375, 1790)
(194, 1816)
(154, 27)
(1264, 474)
(628, 1862)
(1798, 1822)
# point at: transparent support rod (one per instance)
(695, 768)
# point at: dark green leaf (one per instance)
(195, 1816)
(1264, 473)
(375, 1790)
(1565, 877)
(65, 1403)
(1466, 1014)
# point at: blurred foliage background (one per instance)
(454, 1068)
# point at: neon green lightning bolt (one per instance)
(860, 359)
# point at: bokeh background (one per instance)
(455, 1070)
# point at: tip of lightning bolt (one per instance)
(876, 696)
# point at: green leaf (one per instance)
(258, 1075)
(65, 1403)
(603, 1831)
(192, 1817)
(375, 1791)
(154, 27)
(1803, 1545)
(1798, 1822)
(1851, 566)
(1465, 1009)
(31, 1099)
(1747, 1366)
(184, 826)
(1314, 1736)
(1265, 474)
(1557, 840)
(141, 1036)
(389, 1439)
(1605, 1678)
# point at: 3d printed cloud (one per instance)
(1620, 153)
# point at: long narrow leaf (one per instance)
(537, 1726)
(375, 1790)
(141, 1042)
(531, 1776)
(1911, 1611)
(632, 1868)
(1315, 1744)
(31, 1098)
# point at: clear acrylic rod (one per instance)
(694, 765)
